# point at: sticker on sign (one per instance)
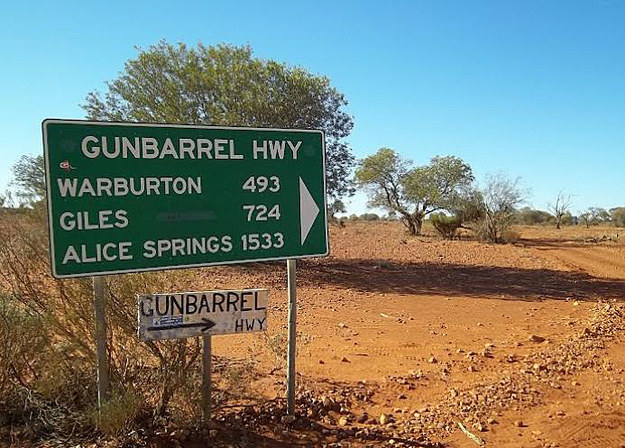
(189, 314)
(129, 197)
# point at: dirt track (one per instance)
(425, 322)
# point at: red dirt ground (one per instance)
(385, 305)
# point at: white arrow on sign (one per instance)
(308, 210)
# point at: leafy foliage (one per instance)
(440, 185)
(227, 85)
(30, 179)
(116, 417)
(336, 207)
(617, 216)
(446, 225)
(47, 352)
(530, 217)
(414, 193)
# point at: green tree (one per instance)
(337, 206)
(369, 217)
(414, 193)
(587, 218)
(530, 217)
(593, 216)
(383, 174)
(29, 179)
(617, 216)
(226, 85)
(604, 216)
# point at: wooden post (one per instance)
(290, 375)
(99, 306)
(206, 377)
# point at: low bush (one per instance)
(41, 418)
(510, 236)
(446, 226)
(47, 350)
(22, 338)
(117, 416)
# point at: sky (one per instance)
(534, 89)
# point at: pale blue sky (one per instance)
(533, 88)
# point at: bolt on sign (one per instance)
(189, 314)
(129, 197)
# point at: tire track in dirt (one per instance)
(591, 431)
(601, 261)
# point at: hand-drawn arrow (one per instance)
(205, 324)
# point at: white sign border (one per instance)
(47, 121)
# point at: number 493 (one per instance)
(258, 184)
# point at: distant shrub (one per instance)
(447, 226)
(529, 216)
(370, 217)
(617, 216)
(569, 219)
(510, 236)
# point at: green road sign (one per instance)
(128, 197)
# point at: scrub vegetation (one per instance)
(47, 354)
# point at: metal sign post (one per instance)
(190, 314)
(99, 304)
(291, 353)
(206, 377)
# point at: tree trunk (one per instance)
(413, 224)
(410, 225)
(418, 226)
